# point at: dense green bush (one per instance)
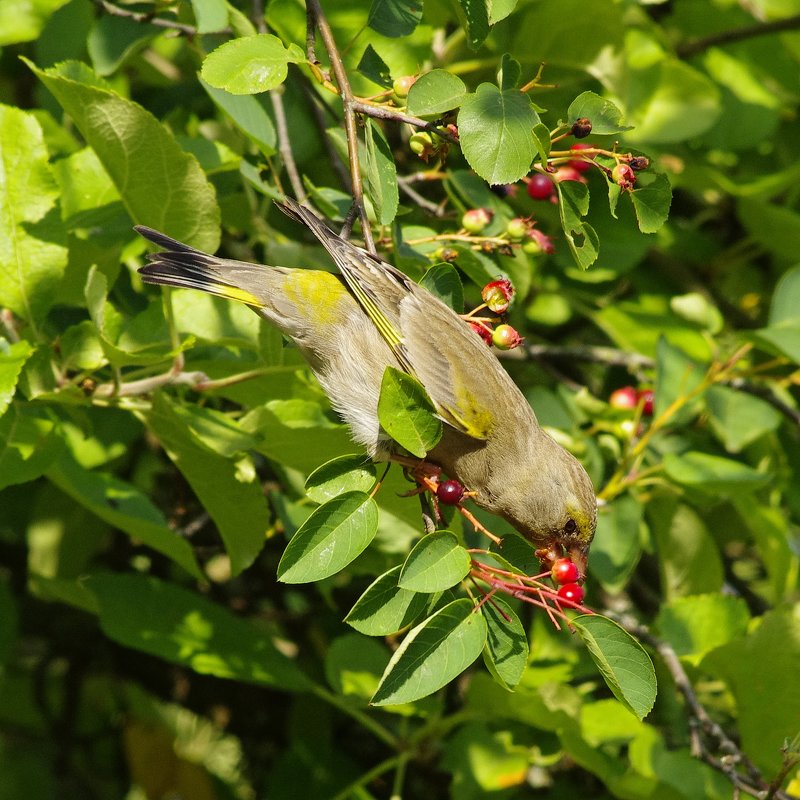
(159, 449)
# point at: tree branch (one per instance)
(149, 19)
(693, 48)
(382, 112)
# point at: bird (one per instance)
(351, 326)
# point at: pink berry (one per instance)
(540, 187)
(623, 176)
(565, 571)
(538, 242)
(624, 398)
(506, 338)
(569, 173)
(497, 295)
(476, 219)
(517, 228)
(450, 492)
(572, 593)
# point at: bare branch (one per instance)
(148, 19)
(697, 46)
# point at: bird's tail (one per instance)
(183, 266)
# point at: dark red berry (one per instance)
(572, 593)
(624, 398)
(565, 571)
(483, 332)
(540, 187)
(581, 128)
(580, 164)
(450, 492)
(647, 398)
(639, 162)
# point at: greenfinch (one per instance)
(350, 327)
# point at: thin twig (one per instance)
(350, 125)
(422, 202)
(693, 48)
(149, 19)
(285, 144)
(382, 112)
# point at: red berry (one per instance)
(624, 398)
(450, 493)
(580, 164)
(540, 187)
(623, 176)
(572, 593)
(476, 219)
(483, 332)
(497, 295)
(506, 338)
(565, 571)
(581, 128)
(647, 398)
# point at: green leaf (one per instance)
(443, 281)
(123, 506)
(785, 305)
(506, 650)
(783, 339)
(500, 9)
(617, 544)
(113, 40)
(713, 474)
(677, 376)
(477, 21)
(432, 654)
(33, 253)
(385, 608)
(12, 360)
(354, 664)
(496, 133)
(29, 442)
(758, 668)
(436, 563)
(330, 538)
(211, 15)
(185, 628)
(353, 473)
(176, 197)
(651, 199)
(541, 137)
(395, 18)
(510, 73)
(478, 267)
(248, 115)
(697, 624)
(372, 66)
(581, 237)
(435, 92)
(622, 661)
(605, 117)
(381, 174)
(739, 419)
(250, 64)
(234, 500)
(407, 414)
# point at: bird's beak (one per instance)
(579, 555)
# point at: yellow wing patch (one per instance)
(315, 292)
(469, 416)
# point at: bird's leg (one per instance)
(427, 477)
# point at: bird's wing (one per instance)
(456, 368)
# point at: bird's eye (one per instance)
(571, 526)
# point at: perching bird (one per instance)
(350, 328)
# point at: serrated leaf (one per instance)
(541, 137)
(407, 414)
(605, 117)
(436, 562)
(33, 253)
(622, 661)
(496, 133)
(435, 92)
(395, 18)
(247, 114)
(372, 66)
(351, 473)
(443, 281)
(651, 199)
(581, 237)
(381, 174)
(124, 507)
(385, 608)
(235, 503)
(12, 360)
(330, 538)
(185, 628)
(506, 650)
(477, 21)
(250, 64)
(432, 654)
(176, 198)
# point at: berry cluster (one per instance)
(565, 573)
(497, 296)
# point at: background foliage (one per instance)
(154, 450)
